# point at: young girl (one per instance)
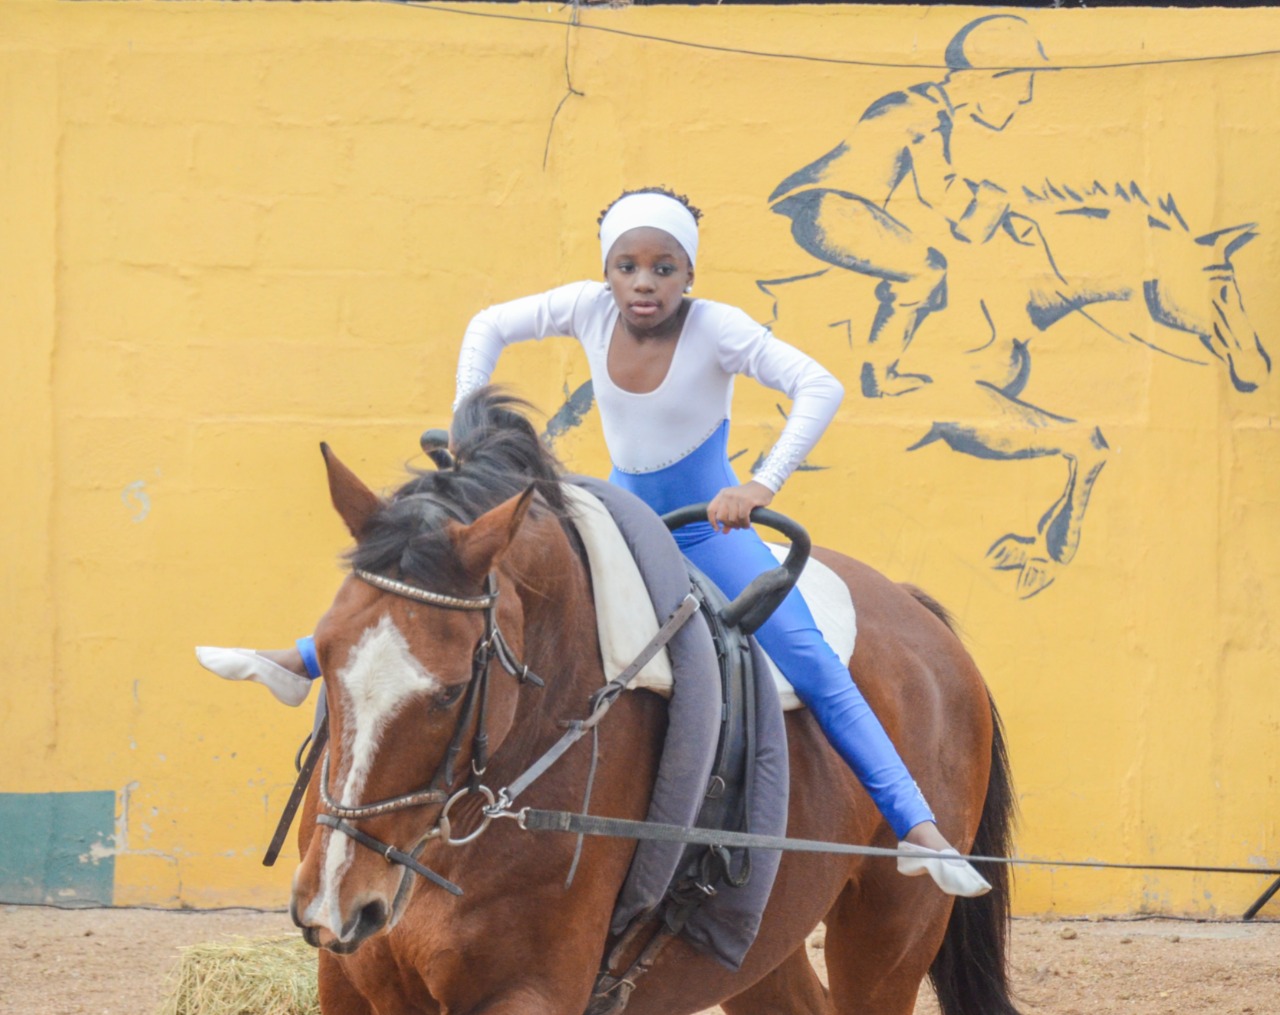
(662, 367)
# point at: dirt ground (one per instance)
(114, 962)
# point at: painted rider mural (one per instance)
(983, 266)
(889, 200)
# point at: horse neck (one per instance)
(560, 640)
(1118, 239)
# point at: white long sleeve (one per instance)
(555, 312)
(751, 349)
(648, 431)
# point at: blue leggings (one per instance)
(790, 636)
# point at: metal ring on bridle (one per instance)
(442, 823)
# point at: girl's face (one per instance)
(648, 272)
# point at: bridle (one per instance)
(440, 790)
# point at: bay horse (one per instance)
(489, 542)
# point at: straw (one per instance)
(245, 976)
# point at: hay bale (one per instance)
(245, 976)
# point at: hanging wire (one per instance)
(575, 23)
(570, 25)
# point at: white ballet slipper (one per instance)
(953, 875)
(246, 664)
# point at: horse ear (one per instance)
(354, 501)
(480, 544)
(1227, 241)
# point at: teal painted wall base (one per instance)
(55, 848)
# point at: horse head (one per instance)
(400, 649)
(1176, 299)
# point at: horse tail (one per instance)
(970, 972)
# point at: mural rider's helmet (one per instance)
(1000, 55)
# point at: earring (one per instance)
(689, 288)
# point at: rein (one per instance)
(589, 824)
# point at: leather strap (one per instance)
(392, 854)
(621, 828)
(318, 741)
(602, 701)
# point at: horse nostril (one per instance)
(369, 919)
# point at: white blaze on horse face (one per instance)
(381, 675)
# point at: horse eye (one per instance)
(449, 696)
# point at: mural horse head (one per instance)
(487, 544)
(1186, 286)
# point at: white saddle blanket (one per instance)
(624, 612)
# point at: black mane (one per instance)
(497, 454)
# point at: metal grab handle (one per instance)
(756, 603)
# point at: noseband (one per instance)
(491, 646)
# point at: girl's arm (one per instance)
(504, 324)
(815, 393)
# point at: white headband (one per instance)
(654, 210)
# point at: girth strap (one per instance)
(703, 867)
(733, 770)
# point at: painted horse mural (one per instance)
(1107, 257)
(967, 271)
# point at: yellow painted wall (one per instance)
(229, 231)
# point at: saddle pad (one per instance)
(725, 925)
(624, 611)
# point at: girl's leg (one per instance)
(286, 673)
(825, 686)
(822, 682)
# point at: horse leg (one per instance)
(882, 935)
(793, 988)
(1025, 431)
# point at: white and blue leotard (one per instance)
(669, 447)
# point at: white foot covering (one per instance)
(246, 664)
(953, 875)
